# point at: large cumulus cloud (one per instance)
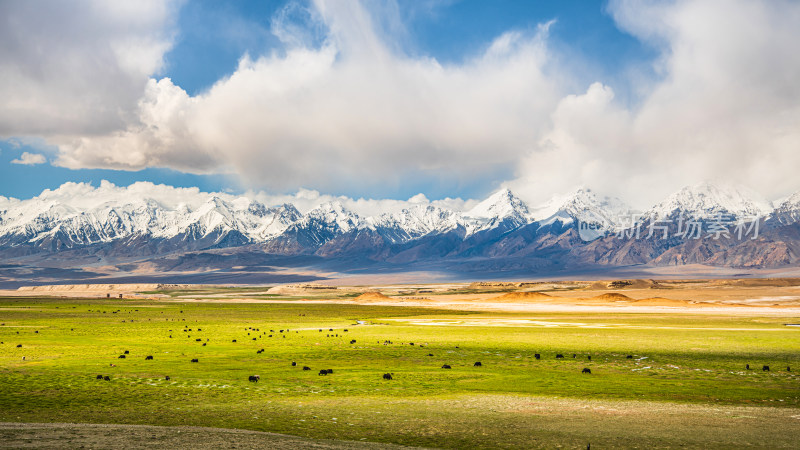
(350, 112)
(78, 67)
(342, 106)
(725, 105)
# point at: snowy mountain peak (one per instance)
(706, 200)
(419, 220)
(334, 214)
(788, 209)
(582, 204)
(500, 205)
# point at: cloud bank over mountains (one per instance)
(343, 107)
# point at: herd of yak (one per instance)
(386, 376)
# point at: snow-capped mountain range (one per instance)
(145, 222)
(78, 214)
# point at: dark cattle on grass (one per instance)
(254, 378)
(765, 368)
(387, 376)
(559, 356)
(19, 345)
(747, 366)
(99, 377)
(294, 363)
(586, 370)
(306, 368)
(629, 356)
(323, 372)
(126, 352)
(121, 357)
(446, 366)
(537, 356)
(478, 364)
(167, 378)
(147, 358)
(195, 360)
(107, 378)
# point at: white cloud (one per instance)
(342, 108)
(78, 67)
(30, 159)
(86, 197)
(351, 114)
(726, 106)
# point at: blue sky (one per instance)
(211, 37)
(390, 99)
(214, 35)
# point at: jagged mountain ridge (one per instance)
(145, 220)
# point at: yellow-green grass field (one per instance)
(685, 383)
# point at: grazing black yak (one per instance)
(107, 378)
(126, 352)
(537, 356)
(147, 358)
(446, 366)
(765, 368)
(387, 376)
(586, 370)
(477, 364)
(306, 368)
(121, 357)
(99, 377)
(629, 356)
(323, 372)
(559, 356)
(167, 378)
(195, 360)
(254, 378)
(294, 363)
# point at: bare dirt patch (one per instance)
(75, 435)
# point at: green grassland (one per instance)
(685, 385)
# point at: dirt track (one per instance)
(70, 435)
